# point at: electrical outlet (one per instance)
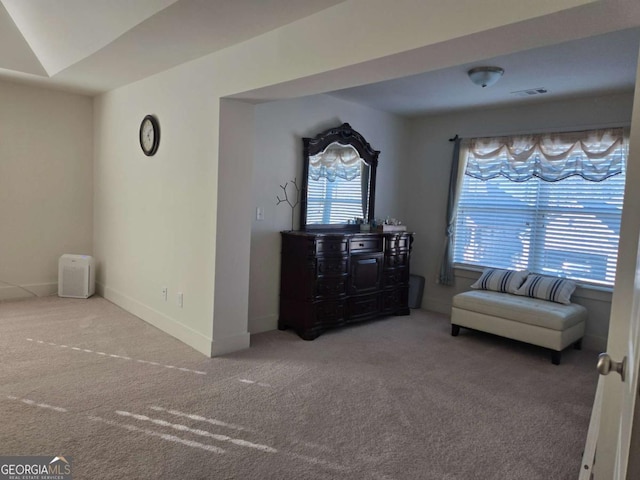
(179, 299)
(164, 293)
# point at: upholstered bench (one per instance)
(532, 320)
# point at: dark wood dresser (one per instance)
(331, 279)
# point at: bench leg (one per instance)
(578, 345)
(555, 357)
(455, 330)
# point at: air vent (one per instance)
(529, 92)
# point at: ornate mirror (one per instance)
(339, 180)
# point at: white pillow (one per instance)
(505, 281)
(557, 290)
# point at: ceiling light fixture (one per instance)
(485, 76)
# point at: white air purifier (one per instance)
(76, 276)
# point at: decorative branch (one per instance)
(287, 200)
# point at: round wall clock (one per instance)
(149, 135)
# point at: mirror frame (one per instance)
(347, 136)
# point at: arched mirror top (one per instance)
(342, 135)
(338, 181)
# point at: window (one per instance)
(565, 223)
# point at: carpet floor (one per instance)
(397, 398)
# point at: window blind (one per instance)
(335, 201)
(568, 228)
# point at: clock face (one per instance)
(149, 135)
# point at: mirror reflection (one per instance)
(339, 180)
(337, 186)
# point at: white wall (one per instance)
(233, 235)
(45, 186)
(429, 182)
(279, 128)
(155, 216)
(156, 219)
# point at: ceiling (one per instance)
(597, 65)
(92, 46)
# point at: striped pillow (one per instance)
(505, 281)
(557, 290)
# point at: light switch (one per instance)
(259, 213)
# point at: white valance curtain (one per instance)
(337, 161)
(595, 155)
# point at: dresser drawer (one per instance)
(365, 244)
(333, 266)
(396, 260)
(329, 312)
(331, 246)
(395, 277)
(395, 300)
(331, 287)
(362, 307)
(397, 242)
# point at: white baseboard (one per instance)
(14, 292)
(263, 324)
(196, 340)
(233, 343)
